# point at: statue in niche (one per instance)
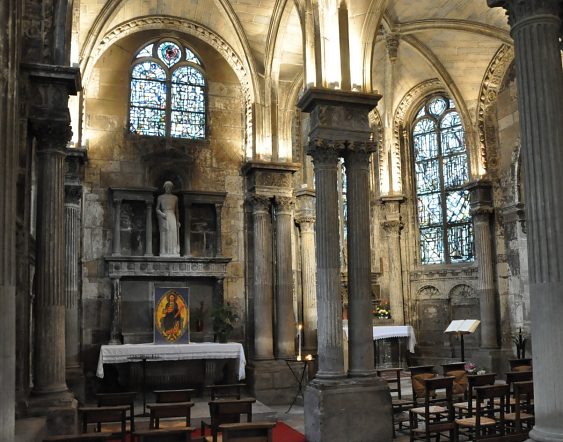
(168, 221)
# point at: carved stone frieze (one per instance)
(444, 273)
(273, 179)
(486, 115)
(518, 10)
(119, 267)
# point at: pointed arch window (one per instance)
(440, 171)
(168, 96)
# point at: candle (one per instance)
(299, 328)
(309, 357)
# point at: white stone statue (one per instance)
(168, 221)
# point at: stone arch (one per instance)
(433, 316)
(428, 292)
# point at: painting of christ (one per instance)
(171, 315)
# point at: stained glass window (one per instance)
(440, 171)
(168, 92)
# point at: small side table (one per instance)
(299, 377)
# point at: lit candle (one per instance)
(309, 357)
(299, 328)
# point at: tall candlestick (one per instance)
(299, 328)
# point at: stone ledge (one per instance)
(123, 266)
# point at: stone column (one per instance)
(10, 14)
(73, 197)
(52, 137)
(393, 226)
(536, 29)
(115, 334)
(187, 228)
(329, 302)
(360, 334)
(218, 246)
(116, 227)
(263, 292)
(481, 211)
(285, 318)
(305, 218)
(148, 231)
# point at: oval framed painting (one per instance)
(171, 315)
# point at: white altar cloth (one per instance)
(391, 331)
(116, 354)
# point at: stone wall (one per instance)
(118, 159)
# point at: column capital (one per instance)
(392, 45)
(325, 151)
(51, 134)
(284, 204)
(480, 198)
(393, 225)
(73, 193)
(259, 203)
(518, 10)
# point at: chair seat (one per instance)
(523, 416)
(465, 405)
(401, 402)
(435, 427)
(434, 409)
(472, 422)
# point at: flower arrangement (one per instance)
(224, 320)
(471, 368)
(382, 312)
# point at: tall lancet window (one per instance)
(441, 170)
(168, 92)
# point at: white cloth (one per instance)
(116, 354)
(391, 331)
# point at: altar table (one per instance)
(391, 331)
(116, 354)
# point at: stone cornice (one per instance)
(252, 166)
(315, 96)
(176, 267)
(55, 74)
(518, 10)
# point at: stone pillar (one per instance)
(148, 231)
(263, 292)
(305, 218)
(50, 301)
(187, 228)
(73, 197)
(10, 13)
(393, 226)
(536, 29)
(329, 302)
(116, 227)
(481, 211)
(115, 334)
(360, 334)
(218, 245)
(286, 328)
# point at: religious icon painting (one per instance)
(171, 315)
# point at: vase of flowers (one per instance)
(224, 320)
(382, 315)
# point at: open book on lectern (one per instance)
(463, 326)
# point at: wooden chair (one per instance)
(244, 432)
(227, 411)
(89, 437)
(418, 375)
(219, 391)
(165, 435)
(511, 378)
(105, 415)
(112, 399)
(488, 420)
(465, 409)
(400, 405)
(457, 370)
(170, 396)
(437, 414)
(524, 364)
(169, 410)
(523, 408)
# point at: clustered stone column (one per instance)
(329, 303)
(285, 319)
(360, 335)
(393, 226)
(52, 137)
(9, 144)
(263, 290)
(481, 211)
(536, 29)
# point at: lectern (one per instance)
(462, 327)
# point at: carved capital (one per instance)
(518, 10)
(305, 221)
(393, 226)
(392, 45)
(481, 213)
(51, 134)
(325, 152)
(73, 194)
(284, 204)
(259, 203)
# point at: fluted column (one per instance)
(10, 12)
(329, 302)
(263, 291)
(73, 196)
(306, 220)
(187, 228)
(285, 318)
(148, 230)
(481, 211)
(50, 300)
(360, 334)
(115, 333)
(218, 245)
(116, 227)
(536, 29)
(393, 226)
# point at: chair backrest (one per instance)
(123, 398)
(243, 432)
(218, 391)
(477, 380)
(100, 415)
(418, 375)
(227, 411)
(168, 396)
(524, 364)
(439, 383)
(452, 366)
(523, 395)
(392, 376)
(518, 376)
(491, 402)
(165, 434)
(88, 437)
(167, 410)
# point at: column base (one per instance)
(354, 410)
(60, 410)
(545, 435)
(76, 382)
(272, 382)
